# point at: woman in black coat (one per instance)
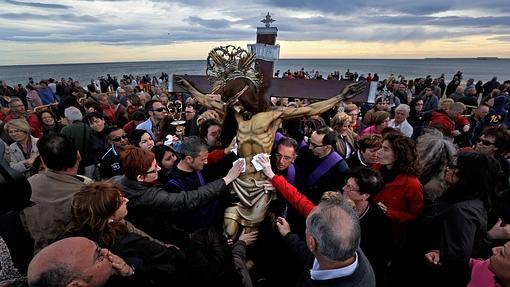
(460, 222)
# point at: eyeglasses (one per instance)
(350, 188)
(353, 114)
(486, 142)
(314, 145)
(150, 171)
(119, 138)
(160, 110)
(285, 158)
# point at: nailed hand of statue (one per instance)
(354, 89)
(180, 81)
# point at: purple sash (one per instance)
(332, 159)
(200, 178)
(180, 184)
(278, 136)
(291, 173)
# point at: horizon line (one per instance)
(482, 58)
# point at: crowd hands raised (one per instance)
(127, 190)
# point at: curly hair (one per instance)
(435, 152)
(91, 209)
(406, 155)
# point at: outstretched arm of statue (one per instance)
(349, 92)
(205, 100)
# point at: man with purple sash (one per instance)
(282, 162)
(187, 175)
(322, 168)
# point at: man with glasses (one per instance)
(110, 164)
(495, 141)
(18, 111)
(323, 167)
(157, 113)
(353, 111)
(282, 161)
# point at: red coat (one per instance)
(215, 156)
(300, 202)
(403, 197)
(443, 120)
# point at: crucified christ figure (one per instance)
(256, 134)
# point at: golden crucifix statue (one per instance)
(233, 78)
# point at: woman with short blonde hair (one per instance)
(24, 149)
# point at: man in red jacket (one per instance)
(18, 111)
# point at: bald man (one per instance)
(333, 255)
(75, 261)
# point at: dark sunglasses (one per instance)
(486, 142)
(314, 145)
(119, 138)
(160, 110)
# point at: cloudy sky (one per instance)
(62, 31)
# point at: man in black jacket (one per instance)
(323, 168)
(331, 254)
(110, 164)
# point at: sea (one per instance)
(482, 69)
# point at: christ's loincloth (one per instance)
(254, 202)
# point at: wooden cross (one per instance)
(277, 87)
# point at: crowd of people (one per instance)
(317, 75)
(122, 183)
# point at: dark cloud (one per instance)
(38, 5)
(449, 21)
(371, 7)
(53, 17)
(347, 7)
(209, 23)
(505, 38)
(370, 20)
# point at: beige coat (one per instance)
(52, 194)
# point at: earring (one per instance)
(110, 220)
